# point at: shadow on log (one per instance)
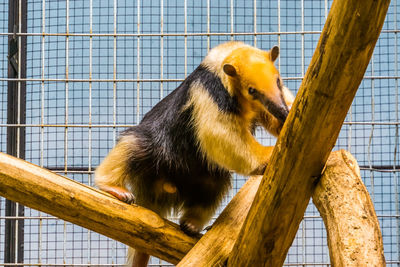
(354, 236)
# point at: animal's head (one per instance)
(254, 77)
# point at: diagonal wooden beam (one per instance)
(93, 209)
(310, 132)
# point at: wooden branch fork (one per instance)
(354, 236)
(259, 224)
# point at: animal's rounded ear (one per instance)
(230, 70)
(274, 53)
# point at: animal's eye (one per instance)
(252, 90)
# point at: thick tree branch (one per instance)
(310, 132)
(54, 194)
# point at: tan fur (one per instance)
(217, 55)
(112, 176)
(113, 171)
(226, 139)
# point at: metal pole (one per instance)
(16, 108)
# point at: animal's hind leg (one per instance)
(112, 175)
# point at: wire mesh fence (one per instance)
(94, 68)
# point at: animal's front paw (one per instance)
(190, 227)
(120, 193)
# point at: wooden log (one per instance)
(93, 209)
(354, 236)
(309, 134)
(215, 246)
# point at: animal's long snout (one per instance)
(278, 110)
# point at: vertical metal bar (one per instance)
(113, 246)
(16, 109)
(396, 142)
(208, 25)
(232, 25)
(302, 39)
(279, 30)
(42, 109)
(90, 88)
(66, 88)
(115, 68)
(162, 49)
(90, 117)
(185, 37)
(40, 239)
(372, 129)
(138, 65)
(255, 21)
(42, 105)
(19, 208)
(66, 117)
(303, 225)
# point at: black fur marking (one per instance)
(217, 90)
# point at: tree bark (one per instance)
(310, 132)
(354, 236)
(93, 209)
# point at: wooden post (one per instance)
(354, 236)
(93, 209)
(309, 134)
